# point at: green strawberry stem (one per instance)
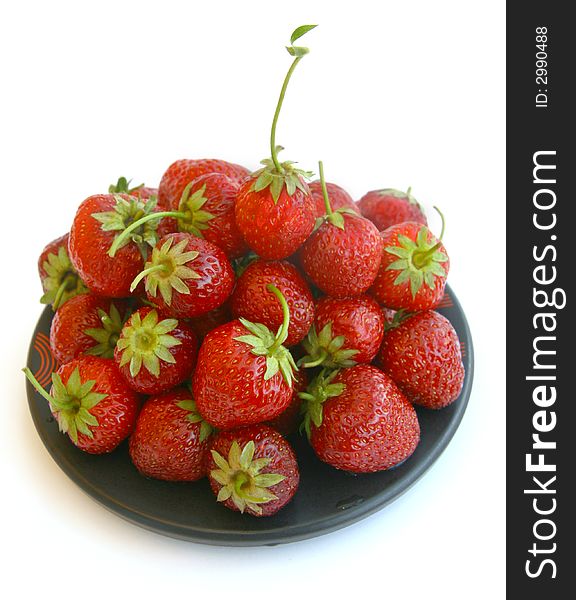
(421, 258)
(283, 333)
(329, 211)
(146, 272)
(36, 385)
(299, 52)
(309, 365)
(69, 279)
(126, 232)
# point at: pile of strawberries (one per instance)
(210, 318)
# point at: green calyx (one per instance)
(146, 342)
(122, 186)
(122, 216)
(167, 269)
(325, 350)
(334, 217)
(399, 317)
(419, 262)
(195, 417)
(107, 335)
(320, 389)
(61, 282)
(193, 219)
(71, 403)
(241, 480)
(278, 177)
(265, 343)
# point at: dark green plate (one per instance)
(327, 499)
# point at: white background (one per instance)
(393, 94)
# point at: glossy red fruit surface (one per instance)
(180, 173)
(343, 262)
(403, 281)
(88, 249)
(346, 331)
(197, 278)
(369, 426)
(339, 198)
(288, 421)
(115, 413)
(252, 301)
(87, 324)
(229, 384)
(389, 207)
(170, 440)
(423, 356)
(208, 206)
(274, 230)
(255, 470)
(153, 353)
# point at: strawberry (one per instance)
(170, 440)
(339, 198)
(87, 324)
(253, 470)
(358, 420)
(252, 301)
(244, 374)
(421, 352)
(180, 173)
(413, 270)
(206, 210)
(342, 256)
(155, 354)
(389, 207)
(101, 219)
(60, 281)
(288, 421)
(186, 276)
(345, 332)
(91, 403)
(122, 186)
(274, 209)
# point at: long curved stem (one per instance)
(283, 333)
(144, 273)
(273, 150)
(327, 206)
(156, 215)
(61, 289)
(420, 259)
(36, 385)
(318, 361)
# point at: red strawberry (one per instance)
(186, 276)
(206, 210)
(180, 173)
(346, 331)
(358, 420)
(60, 281)
(422, 354)
(122, 186)
(253, 470)
(274, 209)
(244, 374)
(105, 267)
(413, 269)
(91, 403)
(252, 301)
(170, 440)
(288, 421)
(342, 256)
(155, 354)
(206, 322)
(87, 324)
(390, 207)
(339, 198)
